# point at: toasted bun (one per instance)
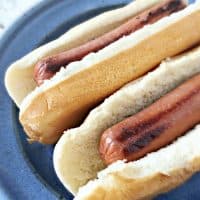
(154, 174)
(19, 77)
(76, 157)
(64, 101)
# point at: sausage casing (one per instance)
(155, 126)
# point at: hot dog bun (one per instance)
(154, 174)
(64, 101)
(19, 77)
(76, 156)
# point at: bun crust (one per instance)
(19, 76)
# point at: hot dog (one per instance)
(154, 127)
(65, 100)
(47, 67)
(141, 118)
(19, 76)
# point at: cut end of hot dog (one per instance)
(110, 149)
(45, 69)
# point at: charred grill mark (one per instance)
(144, 140)
(169, 8)
(130, 132)
(52, 68)
(172, 6)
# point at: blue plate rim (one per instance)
(25, 157)
(22, 20)
(4, 39)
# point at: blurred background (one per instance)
(12, 9)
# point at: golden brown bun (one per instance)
(46, 114)
(19, 76)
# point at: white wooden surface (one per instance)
(10, 10)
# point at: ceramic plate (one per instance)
(26, 171)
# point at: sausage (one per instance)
(47, 67)
(155, 126)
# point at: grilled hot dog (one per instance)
(154, 127)
(47, 67)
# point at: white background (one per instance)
(10, 10)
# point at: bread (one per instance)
(76, 156)
(19, 77)
(154, 174)
(64, 101)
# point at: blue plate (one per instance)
(26, 171)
